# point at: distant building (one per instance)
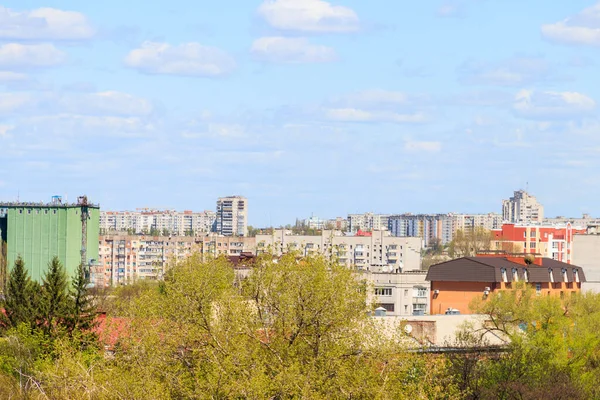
(377, 252)
(465, 222)
(145, 221)
(554, 242)
(405, 293)
(586, 253)
(455, 283)
(232, 216)
(125, 259)
(40, 231)
(522, 208)
(429, 227)
(367, 222)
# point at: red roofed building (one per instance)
(554, 242)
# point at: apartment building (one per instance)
(126, 258)
(378, 251)
(456, 283)
(429, 227)
(177, 223)
(401, 294)
(586, 253)
(465, 222)
(522, 208)
(232, 216)
(555, 242)
(367, 222)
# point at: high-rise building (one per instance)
(37, 232)
(367, 222)
(522, 208)
(232, 216)
(144, 221)
(429, 227)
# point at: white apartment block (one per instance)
(377, 252)
(367, 222)
(465, 222)
(184, 223)
(401, 294)
(232, 216)
(124, 259)
(521, 208)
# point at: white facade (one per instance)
(586, 254)
(522, 207)
(464, 222)
(367, 222)
(174, 223)
(232, 216)
(405, 293)
(381, 251)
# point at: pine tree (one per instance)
(54, 305)
(18, 302)
(82, 311)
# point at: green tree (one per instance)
(470, 242)
(18, 300)
(82, 312)
(54, 301)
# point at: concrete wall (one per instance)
(586, 254)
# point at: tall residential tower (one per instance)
(232, 216)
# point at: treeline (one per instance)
(293, 328)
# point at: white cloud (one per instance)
(552, 105)
(188, 59)
(15, 55)
(4, 129)
(13, 102)
(73, 124)
(315, 16)
(217, 131)
(104, 103)
(358, 115)
(516, 71)
(291, 51)
(377, 106)
(10, 76)
(431, 147)
(582, 28)
(44, 24)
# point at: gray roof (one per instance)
(489, 269)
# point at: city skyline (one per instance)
(302, 106)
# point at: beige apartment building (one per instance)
(177, 223)
(232, 216)
(378, 251)
(126, 258)
(405, 293)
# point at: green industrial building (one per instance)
(38, 232)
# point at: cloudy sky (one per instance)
(303, 106)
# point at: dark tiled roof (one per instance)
(489, 269)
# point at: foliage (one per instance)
(17, 301)
(470, 242)
(54, 301)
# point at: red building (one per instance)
(554, 242)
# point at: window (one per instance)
(538, 288)
(383, 291)
(525, 234)
(419, 307)
(503, 272)
(532, 245)
(405, 292)
(524, 245)
(533, 234)
(388, 306)
(419, 292)
(515, 275)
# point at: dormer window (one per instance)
(576, 274)
(564, 274)
(551, 275)
(503, 272)
(515, 275)
(526, 274)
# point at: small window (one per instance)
(538, 288)
(29, 211)
(383, 291)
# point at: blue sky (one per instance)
(303, 106)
